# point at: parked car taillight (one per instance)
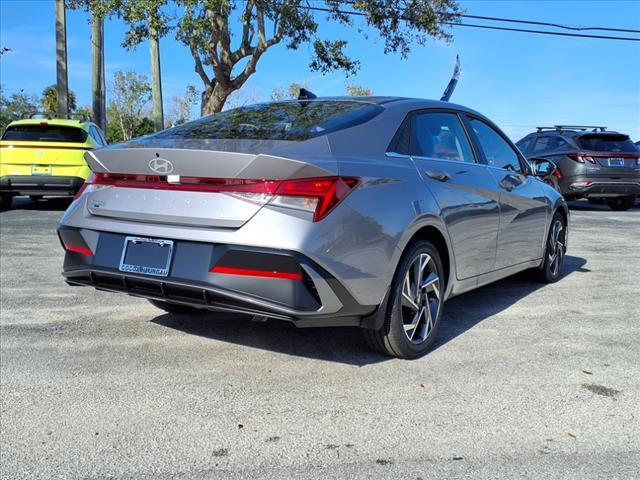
(580, 158)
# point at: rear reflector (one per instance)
(78, 249)
(319, 195)
(257, 273)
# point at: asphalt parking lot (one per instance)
(526, 380)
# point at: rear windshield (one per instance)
(45, 133)
(292, 120)
(607, 143)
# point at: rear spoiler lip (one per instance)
(210, 163)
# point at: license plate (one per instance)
(40, 169)
(147, 256)
(616, 162)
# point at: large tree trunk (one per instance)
(214, 98)
(156, 80)
(97, 67)
(61, 60)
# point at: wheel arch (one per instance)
(438, 236)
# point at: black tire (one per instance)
(393, 338)
(6, 199)
(551, 269)
(620, 204)
(174, 307)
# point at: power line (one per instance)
(533, 22)
(543, 32)
(556, 25)
(489, 27)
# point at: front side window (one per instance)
(44, 133)
(542, 144)
(440, 136)
(524, 144)
(497, 151)
(291, 120)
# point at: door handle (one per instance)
(509, 182)
(440, 176)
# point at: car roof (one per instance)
(62, 122)
(394, 102)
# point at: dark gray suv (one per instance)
(592, 162)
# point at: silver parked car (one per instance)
(366, 212)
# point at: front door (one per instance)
(523, 205)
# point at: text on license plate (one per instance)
(40, 169)
(616, 162)
(148, 256)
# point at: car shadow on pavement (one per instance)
(346, 345)
(466, 311)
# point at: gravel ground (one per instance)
(525, 381)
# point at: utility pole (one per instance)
(97, 69)
(156, 80)
(61, 60)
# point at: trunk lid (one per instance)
(172, 163)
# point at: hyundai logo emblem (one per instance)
(161, 166)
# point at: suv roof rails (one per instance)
(81, 117)
(559, 128)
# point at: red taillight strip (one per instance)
(78, 249)
(329, 191)
(257, 273)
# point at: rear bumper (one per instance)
(600, 187)
(40, 185)
(318, 299)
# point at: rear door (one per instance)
(523, 204)
(465, 190)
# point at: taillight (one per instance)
(558, 174)
(89, 181)
(581, 158)
(318, 195)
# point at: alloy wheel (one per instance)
(555, 247)
(420, 298)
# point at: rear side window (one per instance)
(607, 143)
(440, 135)
(293, 120)
(44, 133)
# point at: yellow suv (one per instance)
(44, 156)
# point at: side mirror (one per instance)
(542, 167)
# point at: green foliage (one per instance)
(50, 101)
(183, 105)
(227, 38)
(232, 56)
(130, 95)
(291, 92)
(354, 90)
(18, 105)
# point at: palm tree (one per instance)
(62, 96)
(50, 100)
(97, 67)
